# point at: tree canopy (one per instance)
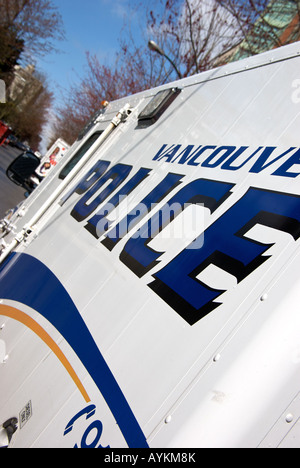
(27, 30)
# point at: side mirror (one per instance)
(22, 168)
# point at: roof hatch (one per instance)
(157, 106)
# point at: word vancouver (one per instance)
(233, 158)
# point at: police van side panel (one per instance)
(157, 306)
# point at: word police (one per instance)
(226, 245)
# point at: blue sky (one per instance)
(90, 25)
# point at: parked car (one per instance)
(13, 141)
(4, 132)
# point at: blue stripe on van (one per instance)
(28, 281)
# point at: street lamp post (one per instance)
(155, 48)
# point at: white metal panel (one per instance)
(226, 379)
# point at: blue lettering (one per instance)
(117, 174)
(86, 441)
(88, 180)
(227, 151)
(89, 444)
(228, 164)
(168, 155)
(292, 161)
(226, 156)
(225, 246)
(193, 160)
(160, 152)
(260, 165)
(91, 177)
(137, 255)
(186, 155)
(170, 182)
(99, 224)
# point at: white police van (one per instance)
(149, 288)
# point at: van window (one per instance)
(78, 155)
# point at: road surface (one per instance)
(10, 194)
